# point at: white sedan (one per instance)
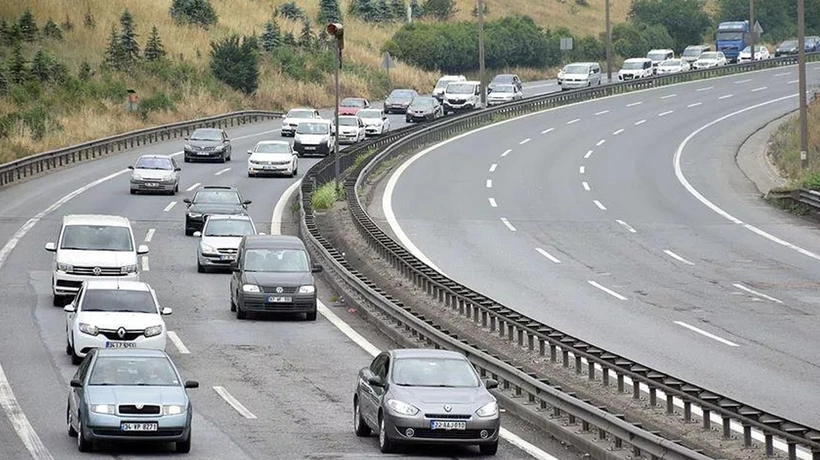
(114, 314)
(272, 157)
(709, 59)
(351, 129)
(375, 121)
(761, 53)
(672, 66)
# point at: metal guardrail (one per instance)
(530, 333)
(810, 198)
(45, 162)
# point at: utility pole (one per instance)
(336, 30)
(609, 45)
(801, 72)
(752, 27)
(480, 6)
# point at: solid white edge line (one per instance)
(493, 203)
(626, 226)
(756, 293)
(524, 141)
(607, 290)
(222, 171)
(600, 205)
(279, 209)
(174, 338)
(706, 334)
(233, 402)
(493, 166)
(573, 121)
(170, 206)
(191, 188)
(600, 143)
(489, 183)
(677, 257)
(586, 185)
(150, 235)
(145, 267)
(508, 224)
(548, 255)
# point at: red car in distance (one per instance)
(352, 105)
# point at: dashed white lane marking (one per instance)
(548, 255)
(634, 104)
(725, 97)
(600, 205)
(243, 411)
(573, 121)
(508, 224)
(668, 96)
(706, 334)
(677, 257)
(618, 132)
(589, 154)
(150, 235)
(640, 122)
(174, 338)
(694, 105)
(601, 112)
(762, 88)
(582, 169)
(524, 141)
(600, 143)
(221, 171)
(191, 188)
(489, 183)
(586, 185)
(145, 267)
(755, 293)
(626, 226)
(705, 89)
(743, 81)
(607, 290)
(493, 166)
(170, 206)
(784, 74)
(791, 82)
(548, 130)
(506, 152)
(663, 114)
(493, 203)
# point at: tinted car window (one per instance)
(312, 128)
(133, 371)
(401, 94)
(422, 102)
(118, 300)
(434, 372)
(154, 163)
(300, 114)
(224, 227)
(272, 148)
(97, 238)
(217, 197)
(206, 135)
(352, 103)
(348, 122)
(369, 114)
(276, 260)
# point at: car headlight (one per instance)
(207, 249)
(103, 408)
(169, 177)
(402, 407)
(250, 288)
(310, 289)
(129, 268)
(194, 214)
(284, 123)
(89, 329)
(173, 409)
(61, 267)
(219, 147)
(136, 177)
(152, 331)
(188, 147)
(488, 410)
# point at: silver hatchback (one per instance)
(221, 235)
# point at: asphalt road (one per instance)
(294, 378)
(577, 217)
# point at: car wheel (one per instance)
(311, 315)
(488, 449)
(233, 305)
(199, 267)
(58, 301)
(188, 231)
(83, 445)
(133, 192)
(75, 360)
(72, 433)
(184, 447)
(223, 159)
(240, 313)
(359, 425)
(386, 445)
(69, 350)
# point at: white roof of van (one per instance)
(452, 77)
(637, 59)
(96, 219)
(110, 284)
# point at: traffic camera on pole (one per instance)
(335, 29)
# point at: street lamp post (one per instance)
(752, 27)
(336, 30)
(608, 45)
(481, 77)
(801, 72)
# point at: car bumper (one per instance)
(348, 138)
(68, 284)
(373, 130)
(200, 155)
(498, 101)
(320, 149)
(456, 107)
(566, 84)
(301, 303)
(153, 186)
(216, 260)
(288, 130)
(395, 108)
(83, 343)
(396, 427)
(104, 427)
(259, 170)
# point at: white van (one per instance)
(438, 91)
(462, 95)
(635, 68)
(693, 52)
(579, 75)
(659, 55)
(93, 247)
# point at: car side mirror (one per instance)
(187, 138)
(250, 152)
(490, 384)
(191, 384)
(142, 249)
(197, 234)
(166, 311)
(375, 380)
(187, 201)
(76, 383)
(333, 134)
(177, 169)
(316, 268)
(69, 308)
(246, 202)
(131, 168)
(51, 247)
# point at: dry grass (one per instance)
(785, 149)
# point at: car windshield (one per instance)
(217, 197)
(206, 135)
(460, 88)
(671, 63)
(659, 56)
(692, 52)
(788, 44)
(576, 69)
(710, 55)
(632, 65)
(502, 79)
(729, 36)
(301, 114)
(228, 227)
(133, 371)
(97, 238)
(276, 260)
(118, 300)
(312, 128)
(503, 89)
(272, 147)
(348, 121)
(443, 83)
(401, 94)
(352, 103)
(422, 102)
(434, 372)
(369, 114)
(154, 163)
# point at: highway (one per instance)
(626, 222)
(268, 388)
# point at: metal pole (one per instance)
(752, 26)
(480, 6)
(336, 116)
(801, 72)
(608, 45)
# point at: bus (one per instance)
(732, 37)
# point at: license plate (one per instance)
(120, 345)
(270, 167)
(229, 257)
(152, 184)
(128, 426)
(202, 154)
(310, 148)
(447, 425)
(275, 299)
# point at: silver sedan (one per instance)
(155, 173)
(425, 396)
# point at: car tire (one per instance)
(359, 424)
(69, 350)
(83, 445)
(223, 159)
(488, 449)
(311, 315)
(183, 447)
(240, 314)
(75, 360)
(58, 301)
(72, 433)
(199, 267)
(133, 192)
(188, 231)
(186, 159)
(233, 305)
(386, 445)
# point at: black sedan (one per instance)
(211, 200)
(424, 108)
(207, 144)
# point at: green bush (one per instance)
(236, 63)
(324, 197)
(197, 12)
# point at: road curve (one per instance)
(293, 379)
(582, 218)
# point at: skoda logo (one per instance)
(448, 408)
(279, 290)
(121, 332)
(97, 271)
(139, 406)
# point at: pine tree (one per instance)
(367, 10)
(289, 39)
(440, 9)
(28, 26)
(272, 36)
(235, 64)
(88, 20)
(18, 67)
(67, 25)
(115, 56)
(128, 38)
(399, 9)
(41, 66)
(154, 50)
(416, 10)
(51, 30)
(4, 82)
(5, 32)
(306, 37)
(383, 12)
(84, 73)
(329, 11)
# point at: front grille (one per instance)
(104, 271)
(130, 409)
(446, 434)
(458, 101)
(161, 432)
(285, 289)
(449, 416)
(226, 250)
(129, 335)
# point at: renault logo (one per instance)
(97, 271)
(121, 332)
(279, 290)
(448, 408)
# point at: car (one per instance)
(504, 93)
(130, 395)
(812, 43)
(273, 274)
(375, 122)
(441, 85)
(635, 68)
(505, 79)
(692, 52)
(272, 157)
(351, 105)
(710, 59)
(399, 100)
(114, 314)
(221, 236)
(761, 53)
(296, 116)
(786, 48)
(672, 66)
(579, 75)
(314, 138)
(462, 95)
(212, 199)
(659, 55)
(155, 173)
(351, 129)
(92, 246)
(207, 144)
(424, 108)
(425, 396)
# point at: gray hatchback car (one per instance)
(426, 396)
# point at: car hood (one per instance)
(372, 121)
(398, 101)
(152, 173)
(706, 61)
(273, 279)
(116, 320)
(96, 258)
(219, 242)
(217, 208)
(204, 143)
(420, 109)
(431, 399)
(311, 138)
(96, 394)
(500, 95)
(296, 121)
(270, 157)
(786, 49)
(349, 110)
(348, 129)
